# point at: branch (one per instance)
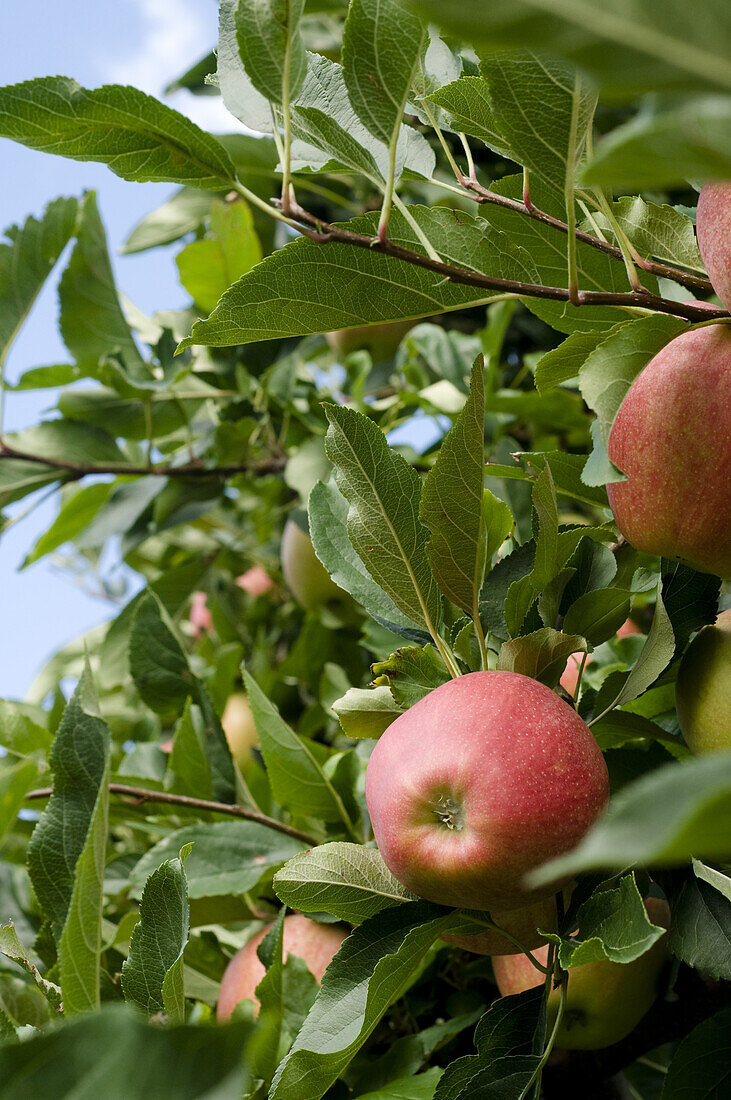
(140, 794)
(632, 299)
(76, 470)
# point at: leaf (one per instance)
(690, 598)
(563, 363)
(597, 615)
(183, 213)
(67, 441)
(469, 107)
(227, 857)
(92, 323)
(613, 924)
(158, 665)
(660, 231)
(541, 655)
(700, 929)
(545, 110)
(678, 811)
(419, 1087)
(15, 781)
(567, 471)
(366, 712)
(136, 136)
(381, 48)
(270, 46)
(12, 948)
(67, 849)
(27, 258)
(126, 1058)
(411, 673)
(188, 769)
(347, 881)
(296, 776)
(701, 1063)
(656, 655)
(524, 591)
(76, 511)
(363, 980)
(21, 736)
(290, 292)
(328, 515)
(383, 493)
(208, 268)
(664, 150)
(152, 976)
(632, 47)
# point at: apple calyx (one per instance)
(449, 812)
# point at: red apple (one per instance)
(570, 676)
(604, 1000)
(522, 924)
(713, 227)
(381, 340)
(703, 689)
(484, 779)
(314, 943)
(200, 616)
(672, 437)
(255, 581)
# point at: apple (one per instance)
(703, 689)
(315, 943)
(672, 437)
(604, 1000)
(255, 581)
(521, 923)
(713, 228)
(238, 725)
(306, 576)
(570, 676)
(200, 616)
(485, 778)
(381, 340)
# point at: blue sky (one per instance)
(142, 42)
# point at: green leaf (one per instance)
(270, 46)
(12, 948)
(690, 599)
(613, 924)
(469, 108)
(365, 977)
(227, 857)
(523, 592)
(631, 47)
(563, 363)
(366, 712)
(597, 615)
(411, 673)
(700, 929)
(541, 655)
(664, 150)
(181, 214)
(27, 258)
(701, 1063)
(188, 769)
(67, 850)
(77, 510)
(656, 655)
(545, 110)
(383, 519)
(208, 268)
(660, 231)
(294, 770)
(157, 662)
(136, 136)
(19, 478)
(346, 880)
(152, 975)
(419, 1087)
(328, 514)
(678, 811)
(567, 471)
(92, 323)
(16, 780)
(21, 736)
(126, 1059)
(68, 441)
(290, 293)
(381, 48)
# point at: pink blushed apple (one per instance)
(570, 676)
(200, 617)
(484, 779)
(713, 227)
(255, 581)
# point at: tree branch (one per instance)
(76, 470)
(141, 794)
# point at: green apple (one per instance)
(703, 689)
(522, 924)
(604, 1000)
(307, 578)
(238, 725)
(314, 943)
(381, 340)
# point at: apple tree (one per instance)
(433, 469)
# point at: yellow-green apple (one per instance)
(484, 779)
(306, 576)
(570, 675)
(604, 1000)
(381, 340)
(238, 725)
(522, 924)
(672, 437)
(703, 689)
(713, 227)
(255, 581)
(314, 943)
(200, 616)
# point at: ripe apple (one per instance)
(381, 340)
(604, 1000)
(713, 228)
(672, 437)
(238, 725)
(314, 943)
(570, 676)
(255, 581)
(306, 576)
(522, 923)
(200, 616)
(703, 689)
(485, 778)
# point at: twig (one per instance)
(141, 794)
